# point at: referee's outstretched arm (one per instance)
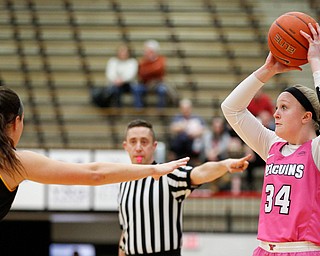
(210, 171)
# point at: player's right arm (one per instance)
(314, 61)
(247, 126)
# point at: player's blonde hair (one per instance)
(313, 99)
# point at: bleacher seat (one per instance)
(58, 50)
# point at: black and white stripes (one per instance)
(150, 212)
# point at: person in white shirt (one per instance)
(121, 72)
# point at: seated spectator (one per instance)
(151, 74)
(220, 145)
(262, 107)
(187, 130)
(121, 72)
(217, 140)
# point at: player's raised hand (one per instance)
(314, 46)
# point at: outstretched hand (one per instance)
(272, 67)
(314, 45)
(238, 165)
(277, 66)
(162, 169)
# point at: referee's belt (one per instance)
(163, 253)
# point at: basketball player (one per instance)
(289, 220)
(150, 211)
(16, 166)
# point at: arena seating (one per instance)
(54, 52)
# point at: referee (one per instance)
(150, 211)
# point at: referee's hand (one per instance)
(238, 165)
(162, 169)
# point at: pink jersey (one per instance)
(290, 204)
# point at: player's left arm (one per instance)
(314, 53)
(314, 61)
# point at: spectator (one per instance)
(151, 75)
(121, 73)
(220, 145)
(217, 140)
(263, 108)
(187, 130)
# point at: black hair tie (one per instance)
(303, 100)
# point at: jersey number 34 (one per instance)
(279, 198)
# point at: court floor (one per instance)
(203, 244)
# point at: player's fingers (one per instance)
(305, 35)
(318, 28)
(311, 27)
(314, 32)
(247, 157)
(311, 39)
(184, 160)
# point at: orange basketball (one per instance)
(285, 42)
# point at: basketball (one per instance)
(285, 42)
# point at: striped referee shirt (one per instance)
(150, 212)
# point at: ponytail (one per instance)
(10, 108)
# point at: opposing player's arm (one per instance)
(45, 170)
